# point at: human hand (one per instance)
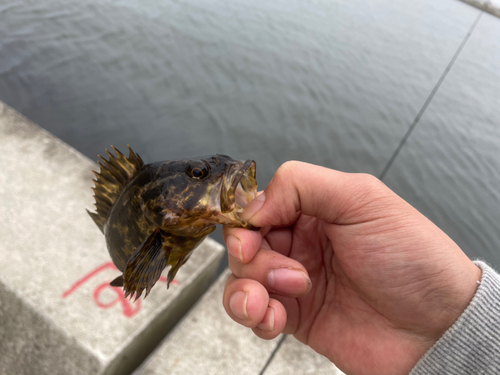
(348, 267)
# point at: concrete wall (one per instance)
(58, 314)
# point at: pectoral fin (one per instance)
(145, 266)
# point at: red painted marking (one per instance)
(87, 277)
(129, 308)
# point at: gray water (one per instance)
(335, 83)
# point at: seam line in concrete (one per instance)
(429, 98)
(282, 339)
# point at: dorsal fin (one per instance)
(114, 175)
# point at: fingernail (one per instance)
(268, 322)
(252, 207)
(287, 281)
(234, 247)
(238, 305)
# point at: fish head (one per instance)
(188, 196)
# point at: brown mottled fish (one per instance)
(156, 214)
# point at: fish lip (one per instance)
(238, 186)
(231, 181)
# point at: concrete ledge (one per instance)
(58, 313)
(208, 342)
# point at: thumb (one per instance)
(324, 193)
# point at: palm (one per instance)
(356, 299)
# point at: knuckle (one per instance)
(371, 184)
(287, 167)
(368, 191)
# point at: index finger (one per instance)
(243, 244)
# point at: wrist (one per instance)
(463, 293)
(456, 297)
(472, 344)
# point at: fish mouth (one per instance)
(239, 187)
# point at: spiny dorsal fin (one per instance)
(115, 173)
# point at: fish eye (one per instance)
(197, 172)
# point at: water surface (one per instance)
(336, 83)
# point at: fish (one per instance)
(155, 215)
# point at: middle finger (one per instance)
(276, 272)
